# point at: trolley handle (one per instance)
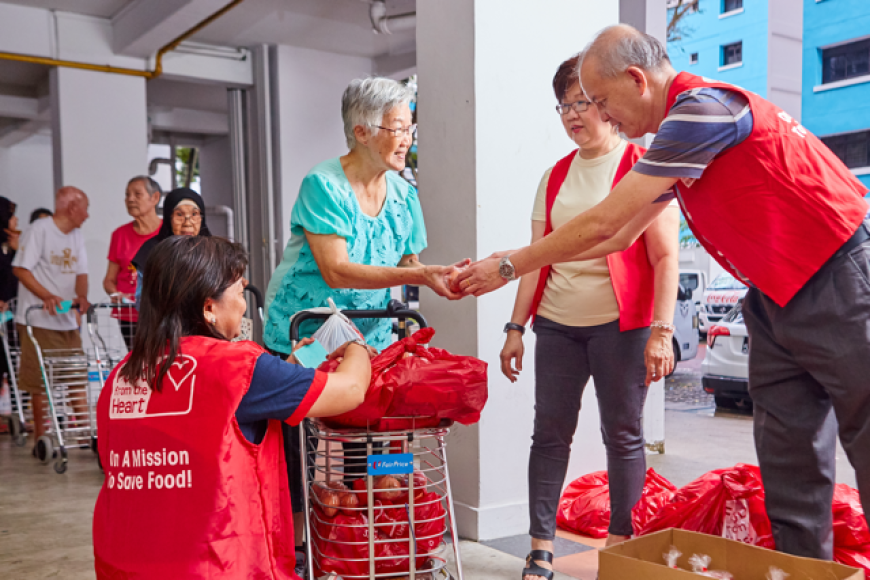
(258, 300)
(39, 307)
(116, 305)
(395, 309)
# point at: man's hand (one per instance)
(513, 351)
(82, 303)
(481, 278)
(51, 303)
(658, 355)
(438, 279)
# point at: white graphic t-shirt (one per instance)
(55, 259)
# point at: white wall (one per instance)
(489, 132)
(100, 138)
(310, 85)
(26, 176)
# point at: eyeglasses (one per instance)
(579, 107)
(410, 130)
(180, 218)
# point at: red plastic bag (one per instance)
(333, 542)
(410, 380)
(585, 504)
(851, 536)
(723, 502)
(657, 492)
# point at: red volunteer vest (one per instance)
(631, 273)
(185, 494)
(773, 209)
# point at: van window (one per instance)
(726, 282)
(689, 281)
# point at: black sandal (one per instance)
(535, 570)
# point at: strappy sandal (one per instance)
(535, 570)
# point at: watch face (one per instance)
(506, 270)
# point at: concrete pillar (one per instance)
(310, 85)
(100, 139)
(489, 131)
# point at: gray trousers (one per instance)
(565, 358)
(809, 371)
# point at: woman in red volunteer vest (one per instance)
(592, 317)
(190, 436)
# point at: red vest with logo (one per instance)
(773, 209)
(185, 494)
(631, 273)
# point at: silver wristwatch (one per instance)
(506, 269)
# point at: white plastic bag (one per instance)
(776, 574)
(671, 557)
(337, 330)
(700, 564)
(5, 398)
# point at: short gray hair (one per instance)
(619, 47)
(151, 185)
(366, 101)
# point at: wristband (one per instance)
(514, 326)
(663, 325)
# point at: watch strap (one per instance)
(514, 326)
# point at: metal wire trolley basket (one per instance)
(71, 421)
(378, 503)
(21, 410)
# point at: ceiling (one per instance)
(100, 8)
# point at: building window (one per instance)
(853, 149)
(846, 61)
(732, 53)
(693, 58)
(731, 5)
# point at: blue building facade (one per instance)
(836, 78)
(713, 33)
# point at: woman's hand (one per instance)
(12, 238)
(438, 278)
(513, 350)
(658, 355)
(304, 342)
(339, 352)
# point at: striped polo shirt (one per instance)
(702, 124)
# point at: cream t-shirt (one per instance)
(579, 293)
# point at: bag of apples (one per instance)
(411, 380)
(341, 530)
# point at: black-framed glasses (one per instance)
(579, 107)
(410, 130)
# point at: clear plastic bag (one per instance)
(671, 557)
(700, 564)
(337, 330)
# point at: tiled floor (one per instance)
(575, 556)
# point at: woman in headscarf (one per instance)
(183, 215)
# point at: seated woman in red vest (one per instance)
(190, 434)
(592, 318)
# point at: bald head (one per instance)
(616, 48)
(70, 208)
(67, 196)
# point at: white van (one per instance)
(721, 296)
(686, 337)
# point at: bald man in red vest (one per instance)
(778, 210)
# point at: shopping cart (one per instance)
(70, 405)
(372, 543)
(21, 410)
(111, 326)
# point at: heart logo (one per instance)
(186, 365)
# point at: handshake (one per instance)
(466, 278)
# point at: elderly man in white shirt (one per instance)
(51, 267)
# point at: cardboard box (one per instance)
(643, 559)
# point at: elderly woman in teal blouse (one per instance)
(356, 227)
(355, 231)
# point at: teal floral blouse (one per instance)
(327, 205)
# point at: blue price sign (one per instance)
(394, 464)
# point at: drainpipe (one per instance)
(383, 24)
(148, 74)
